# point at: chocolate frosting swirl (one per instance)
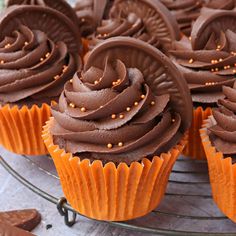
(112, 114)
(223, 129)
(206, 70)
(32, 67)
(185, 12)
(132, 26)
(90, 13)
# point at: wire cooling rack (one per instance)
(187, 209)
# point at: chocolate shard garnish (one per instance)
(26, 219)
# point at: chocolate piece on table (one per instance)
(56, 25)
(59, 5)
(158, 21)
(26, 219)
(8, 230)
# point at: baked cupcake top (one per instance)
(33, 69)
(222, 130)
(208, 59)
(149, 21)
(113, 112)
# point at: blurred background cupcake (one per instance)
(219, 141)
(207, 59)
(36, 58)
(117, 130)
(187, 11)
(149, 21)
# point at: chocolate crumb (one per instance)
(49, 226)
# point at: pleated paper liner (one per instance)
(194, 148)
(110, 192)
(21, 129)
(222, 176)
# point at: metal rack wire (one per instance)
(186, 210)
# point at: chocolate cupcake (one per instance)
(34, 67)
(221, 126)
(149, 21)
(219, 141)
(130, 102)
(207, 61)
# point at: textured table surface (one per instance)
(13, 195)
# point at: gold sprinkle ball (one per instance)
(190, 61)
(72, 105)
(83, 109)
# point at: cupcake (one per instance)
(33, 68)
(149, 21)
(219, 141)
(207, 60)
(117, 130)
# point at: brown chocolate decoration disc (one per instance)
(9, 230)
(56, 25)
(159, 72)
(59, 5)
(157, 19)
(211, 21)
(24, 219)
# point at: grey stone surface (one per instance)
(13, 195)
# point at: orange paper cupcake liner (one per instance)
(222, 176)
(194, 148)
(110, 192)
(21, 129)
